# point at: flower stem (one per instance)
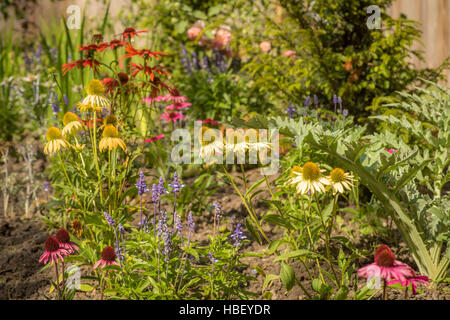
(57, 280)
(384, 290)
(245, 204)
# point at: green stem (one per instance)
(245, 204)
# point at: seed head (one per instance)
(53, 133)
(95, 88)
(51, 244)
(311, 171)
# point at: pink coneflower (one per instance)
(108, 258)
(64, 241)
(265, 46)
(53, 251)
(209, 121)
(193, 32)
(222, 38)
(165, 98)
(412, 280)
(178, 106)
(386, 267)
(154, 138)
(172, 116)
(391, 151)
(288, 53)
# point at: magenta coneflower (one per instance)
(209, 121)
(172, 116)
(386, 267)
(53, 251)
(165, 98)
(391, 151)
(64, 241)
(178, 106)
(412, 281)
(154, 138)
(108, 258)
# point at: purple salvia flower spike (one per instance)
(109, 219)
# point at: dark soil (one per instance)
(21, 245)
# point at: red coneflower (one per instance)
(156, 86)
(386, 267)
(108, 258)
(130, 33)
(53, 251)
(154, 138)
(172, 116)
(110, 84)
(143, 53)
(112, 45)
(147, 70)
(92, 63)
(90, 123)
(64, 241)
(91, 47)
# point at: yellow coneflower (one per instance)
(88, 107)
(55, 141)
(235, 142)
(110, 139)
(78, 147)
(72, 124)
(340, 180)
(110, 119)
(256, 144)
(309, 178)
(211, 145)
(96, 98)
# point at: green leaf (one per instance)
(295, 254)
(86, 287)
(252, 229)
(278, 220)
(253, 187)
(268, 280)
(214, 10)
(287, 275)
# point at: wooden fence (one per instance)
(435, 26)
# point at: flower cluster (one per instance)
(310, 178)
(57, 247)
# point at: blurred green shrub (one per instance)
(325, 47)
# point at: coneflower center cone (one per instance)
(384, 256)
(51, 244)
(295, 170)
(53, 133)
(311, 171)
(95, 88)
(337, 175)
(69, 117)
(110, 132)
(62, 235)
(108, 254)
